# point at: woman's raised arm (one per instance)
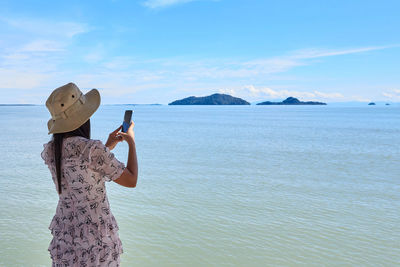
(129, 176)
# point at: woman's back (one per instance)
(83, 218)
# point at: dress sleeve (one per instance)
(46, 154)
(103, 161)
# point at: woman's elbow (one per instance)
(132, 184)
(127, 179)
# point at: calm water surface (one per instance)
(224, 186)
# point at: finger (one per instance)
(117, 130)
(122, 134)
(132, 125)
(117, 136)
(125, 136)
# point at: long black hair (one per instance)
(83, 130)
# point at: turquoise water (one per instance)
(224, 186)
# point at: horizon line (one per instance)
(159, 104)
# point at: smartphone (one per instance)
(127, 120)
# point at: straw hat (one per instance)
(70, 108)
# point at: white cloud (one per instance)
(328, 95)
(93, 57)
(40, 60)
(230, 69)
(40, 27)
(257, 93)
(34, 51)
(15, 79)
(298, 58)
(393, 94)
(42, 46)
(317, 53)
(360, 98)
(116, 63)
(276, 64)
(164, 3)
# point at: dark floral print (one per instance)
(85, 232)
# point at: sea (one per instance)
(223, 185)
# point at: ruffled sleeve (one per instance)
(46, 154)
(103, 161)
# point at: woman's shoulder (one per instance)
(47, 145)
(81, 141)
(72, 144)
(97, 145)
(91, 145)
(46, 152)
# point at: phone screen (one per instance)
(127, 120)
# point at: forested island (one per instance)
(215, 99)
(223, 99)
(292, 101)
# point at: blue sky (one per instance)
(156, 51)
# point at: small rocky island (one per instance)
(371, 104)
(215, 99)
(292, 101)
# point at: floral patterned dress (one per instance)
(85, 232)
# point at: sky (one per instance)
(157, 51)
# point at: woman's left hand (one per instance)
(114, 138)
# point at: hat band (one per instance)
(72, 109)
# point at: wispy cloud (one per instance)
(42, 46)
(393, 94)
(41, 27)
(163, 77)
(302, 57)
(16, 79)
(223, 69)
(96, 54)
(317, 53)
(164, 3)
(257, 93)
(33, 51)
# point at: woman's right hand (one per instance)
(129, 136)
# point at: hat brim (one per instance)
(78, 118)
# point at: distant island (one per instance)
(292, 101)
(215, 99)
(156, 104)
(17, 105)
(371, 104)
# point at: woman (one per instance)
(84, 229)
